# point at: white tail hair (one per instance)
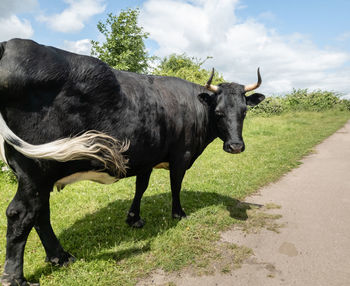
(90, 145)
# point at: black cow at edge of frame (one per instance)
(66, 117)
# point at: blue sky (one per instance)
(297, 44)
(321, 20)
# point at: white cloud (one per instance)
(11, 7)
(346, 96)
(11, 26)
(73, 18)
(79, 47)
(210, 28)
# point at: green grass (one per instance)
(89, 218)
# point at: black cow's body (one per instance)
(48, 94)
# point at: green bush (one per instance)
(302, 100)
(344, 104)
(185, 67)
(318, 100)
(270, 106)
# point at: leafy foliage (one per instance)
(302, 100)
(270, 106)
(312, 101)
(124, 47)
(188, 68)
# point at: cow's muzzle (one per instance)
(234, 148)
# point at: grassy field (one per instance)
(89, 218)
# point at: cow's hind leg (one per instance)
(21, 215)
(30, 207)
(54, 251)
(133, 218)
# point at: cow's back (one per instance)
(51, 92)
(48, 93)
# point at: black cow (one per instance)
(66, 117)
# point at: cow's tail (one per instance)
(90, 145)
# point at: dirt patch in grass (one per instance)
(259, 218)
(224, 256)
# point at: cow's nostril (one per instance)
(235, 148)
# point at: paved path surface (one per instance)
(314, 246)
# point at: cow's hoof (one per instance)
(179, 215)
(135, 221)
(138, 224)
(63, 260)
(7, 281)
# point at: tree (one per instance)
(186, 67)
(124, 47)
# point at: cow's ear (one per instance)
(206, 98)
(255, 99)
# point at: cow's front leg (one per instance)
(54, 251)
(21, 214)
(133, 218)
(177, 173)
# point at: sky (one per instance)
(296, 44)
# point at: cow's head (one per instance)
(230, 107)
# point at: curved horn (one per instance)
(255, 85)
(209, 86)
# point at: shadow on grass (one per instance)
(96, 236)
